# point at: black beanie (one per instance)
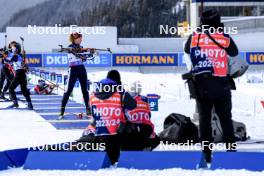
(115, 76)
(211, 18)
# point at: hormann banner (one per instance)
(255, 58)
(34, 60)
(144, 59)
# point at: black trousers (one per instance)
(223, 107)
(76, 72)
(19, 79)
(5, 75)
(135, 139)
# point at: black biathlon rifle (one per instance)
(76, 52)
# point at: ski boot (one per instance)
(88, 113)
(61, 117)
(206, 160)
(14, 105)
(30, 106)
(2, 96)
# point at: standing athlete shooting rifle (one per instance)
(76, 71)
(20, 78)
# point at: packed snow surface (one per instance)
(26, 128)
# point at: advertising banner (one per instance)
(34, 60)
(59, 78)
(255, 58)
(61, 60)
(139, 59)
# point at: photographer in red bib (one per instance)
(139, 130)
(108, 105)
(209, 50)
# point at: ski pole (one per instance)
(25, 64)
(22, 40)
(5, 42)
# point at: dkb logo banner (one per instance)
(61, 60)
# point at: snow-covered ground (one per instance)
(26, 128)
(132, 172)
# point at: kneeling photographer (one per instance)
(138, 131)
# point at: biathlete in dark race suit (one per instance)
(76, 71)
(7, 73)
(20, 77)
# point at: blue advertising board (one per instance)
(139, 59)
(55, 60)
(59, 78)
(65, 79)
(255, 58)
(128, 59)
(34, 60)
(153, 100)
(181, 60)
(61, 60)
(47, 75)
(102, 60)
(53, 76)
(42, 74)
